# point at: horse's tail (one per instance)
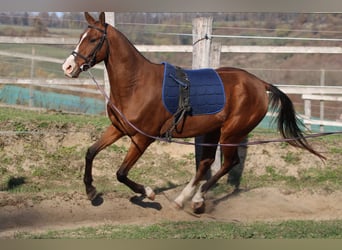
(287, 122)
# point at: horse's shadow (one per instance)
(139, 200)
(213, 202)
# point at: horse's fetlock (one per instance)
(121, 177)
(90, 154)
(87, 181)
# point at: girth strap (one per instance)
(184, 107)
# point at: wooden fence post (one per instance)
(205, 54)
(307, 112)
(201, 32)
(321, 102)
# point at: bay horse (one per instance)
(136, 89)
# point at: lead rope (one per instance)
(200, 144)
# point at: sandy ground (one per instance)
(74, 210)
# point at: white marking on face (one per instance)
(69, 66)
(81, 40)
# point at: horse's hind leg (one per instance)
(207, 159)
(198, 199)
(108, 137)
(231, 158)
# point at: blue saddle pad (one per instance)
(206, 90)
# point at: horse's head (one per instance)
(90, 49)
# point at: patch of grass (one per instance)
(270, 178)
(118, 149)
(327, 176)
(335, 150)
(5, 161)
(23, 120)
(201, 230)
(311, 178)
(20, 127)
(291, 158)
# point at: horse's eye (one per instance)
(92, 40)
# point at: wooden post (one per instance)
(205, 54)
(307, 112)
(321, 102)
(110, 19)
(201, 32)
(215, 55)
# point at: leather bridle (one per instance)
(90, 60)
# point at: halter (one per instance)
(90, 60)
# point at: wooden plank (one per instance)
(282, 49)
(183, 48)
(164, 48)
(323, 123)
(30, 57)
(246, 49)
(38, 40)
(40, 58)
(322, 98)
(310, 89)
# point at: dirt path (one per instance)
(74, 210)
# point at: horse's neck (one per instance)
(122, 53)
(123, 64)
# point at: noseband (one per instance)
(90, 60)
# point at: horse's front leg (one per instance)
(207, 158)
(137, 148)
(110, 135)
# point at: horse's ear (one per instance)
(89, 18)
(102, 18)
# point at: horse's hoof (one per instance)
(198, 207)
(97, 200)
(150, 194)
(177, 206)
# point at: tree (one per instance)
(25, 19)
(39, 27)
